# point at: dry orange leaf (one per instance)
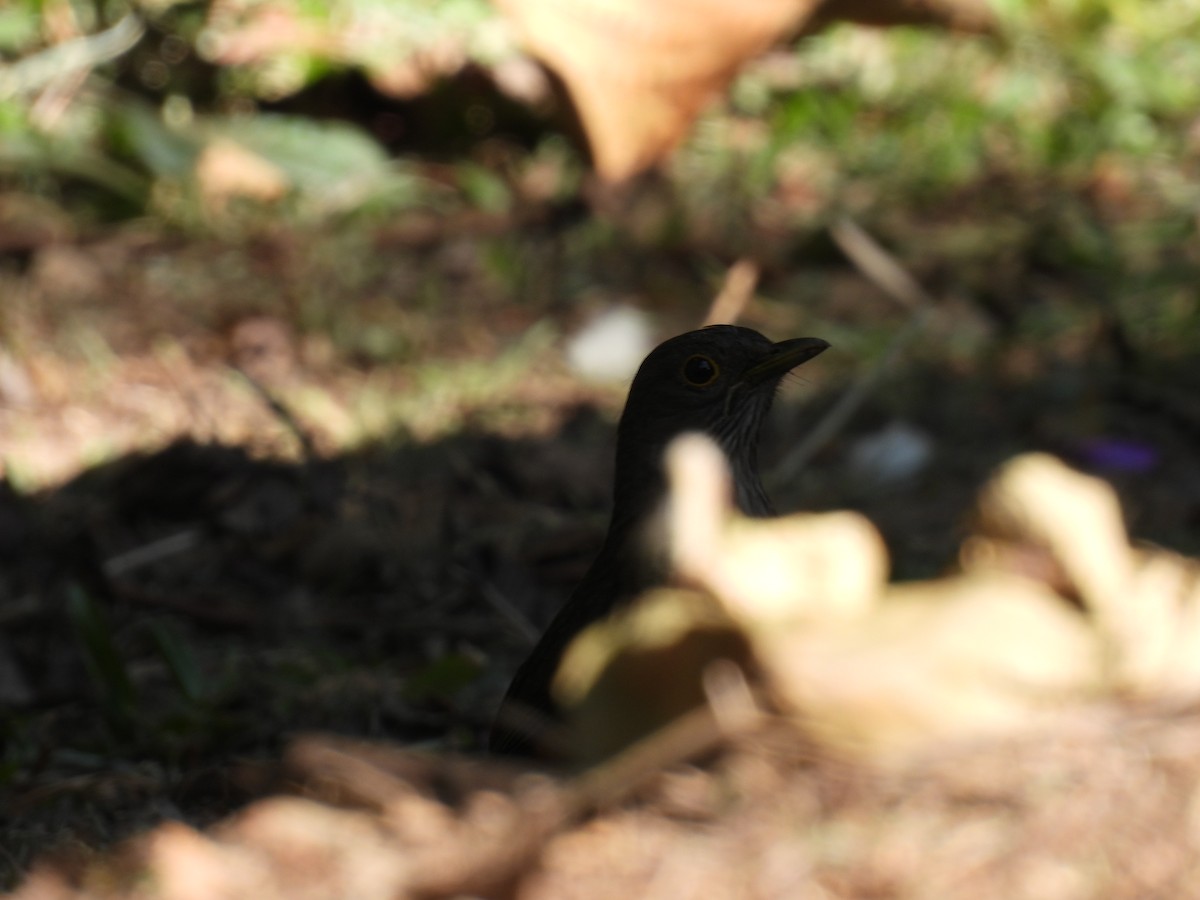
(639, 73)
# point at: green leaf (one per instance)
(164, 151)
(442, 678)
(19, 27)
(103, 660)
(484, 189)
(316, 156)
(180, 661)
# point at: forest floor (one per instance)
(298, 481)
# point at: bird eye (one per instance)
(700, 371)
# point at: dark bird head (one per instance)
(720, 381)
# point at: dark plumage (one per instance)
(719, 380)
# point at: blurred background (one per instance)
(316, 319)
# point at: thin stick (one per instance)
(736, 292)
(150, 553)
(879, 266)
(730, 697)
(79, 55)
(607, 784)
(882, 269)
(308, 450)
(519, 622)
(732, 710)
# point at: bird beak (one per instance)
(782, 358)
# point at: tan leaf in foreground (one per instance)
(966, 657)
(868, 669)
(630, 675)
(1145, 605)
(827, 565)
(1054, 610)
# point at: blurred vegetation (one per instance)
(1069, 141)
(124, 98)
(323, 163)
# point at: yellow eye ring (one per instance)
(700, 371)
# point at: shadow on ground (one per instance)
(169, 620)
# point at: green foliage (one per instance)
(1065, 85)
(139, 133)
(143, 151)
(18, 26)
(104, 661)
(484, 189)
(377, 37)
(444, 677)
(192, 710)
(1067, 141)
(181, 663)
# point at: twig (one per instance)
(150, 553)
(545, 809)
(514, 617)
(308, 450)
(690, 735)
(63, 25)
(332, 762)
(879, 265)
(736, 291)
(378, 778)
(882, 269)
(81, 54)
(342, 773)
(730, 697)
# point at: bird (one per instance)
(719, 381)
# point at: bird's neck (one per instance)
(640, 483)
(636, 532)
(749, 494)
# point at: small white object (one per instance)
(895, 453)
(16, 387)
(611, 346)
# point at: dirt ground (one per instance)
(321, 482)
